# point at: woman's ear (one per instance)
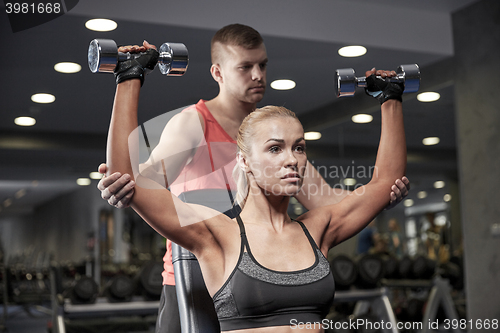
(242, 162)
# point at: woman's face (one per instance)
(277, 159)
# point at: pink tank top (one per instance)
(204, 170)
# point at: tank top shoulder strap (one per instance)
(213, 130)
(202, 108)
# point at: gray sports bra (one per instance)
(254, 296)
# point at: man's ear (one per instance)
(216, 72)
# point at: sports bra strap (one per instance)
(244, 240)
(243, 235)
(311, 240)
(242, 227)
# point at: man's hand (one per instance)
(400, 190)
(116, 188)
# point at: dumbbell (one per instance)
(370, 271)
(344, 271)
(103, 57)
(346, 82)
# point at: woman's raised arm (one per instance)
(360, 207)
(180, 222)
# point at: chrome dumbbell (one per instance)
(103, 56)
(346, 82)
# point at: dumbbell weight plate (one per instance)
(411, 74)
(150, 280)
(120, 288)
(102, 55)
(371, 271)
(174, 59)
(345, 82)
(344, 271)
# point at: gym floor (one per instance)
(22, 320)
(38, 320)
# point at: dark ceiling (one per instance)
(302, 39)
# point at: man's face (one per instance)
(243, 72)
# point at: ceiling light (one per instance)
(298, 210)
(101, 25)
(7, 202)
(362, 118)
(67, 67)
(95, 175)
(19, 194)
(428, 96)
(447, 197)
(408, 203)
(352, 51)
(283, 84)
(421, 194)
(439, 184)
(312, 135)
(83, 181)
(349, 181)
(430, 141)
(43, 98)
(25, 121)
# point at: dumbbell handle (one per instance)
(399, 78)
(164, 57)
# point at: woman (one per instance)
(266, 272)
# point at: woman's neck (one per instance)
(267, 209)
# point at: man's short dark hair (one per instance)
(235, 34)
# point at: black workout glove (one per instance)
(136, 68)
(384, 90)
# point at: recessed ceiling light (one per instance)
(362, 118)
(25, 121)
(19, 194)
(312, 135)
(439, 184)
(408, 203)
(95, 175)
(67, 67)
(101, 25)
(298, 210)
(284, 84)
(43, 98)
(349, 181)
(428, 96)
(422, 195)
(430, 141)
(83, 181)
(447, 197)
(352, 51)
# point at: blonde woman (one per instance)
(265, 271)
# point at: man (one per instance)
(366, 238)
(239, 61)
